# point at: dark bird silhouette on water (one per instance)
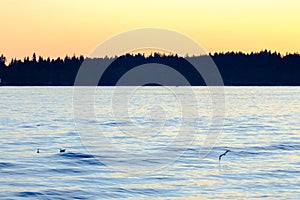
(220, 157)
(62, 150)
(38, 150)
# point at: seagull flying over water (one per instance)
(223, 154)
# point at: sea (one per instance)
(150, 143)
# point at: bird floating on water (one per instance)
(62, 150)
(38, 150)
(223, 154)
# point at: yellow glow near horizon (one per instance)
(56, 28)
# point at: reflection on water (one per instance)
(261, 129)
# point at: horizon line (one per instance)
(147, 55)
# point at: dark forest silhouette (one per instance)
(236, 68)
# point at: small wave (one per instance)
(6, 165)
(146, 191)
(29, 194)
(82, 158)
(283, 146)
(287, 171)
(259, 150)
(286, 147)
(115, 123)
(26, 126)
(55, 194)
(65, 171)
(76, 155)
(249, 153)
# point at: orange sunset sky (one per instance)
(59, 27)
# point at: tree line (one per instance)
(236, 68)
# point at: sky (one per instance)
(66, 27)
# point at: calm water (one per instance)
(261, 128)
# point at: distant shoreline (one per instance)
(265, 68)
(230, 86)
